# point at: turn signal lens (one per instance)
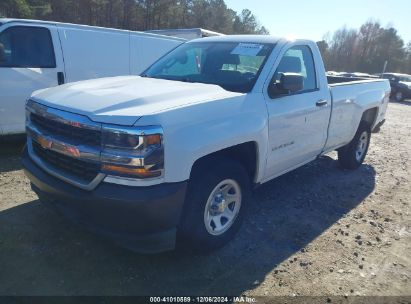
(130, 171)
(152, 139)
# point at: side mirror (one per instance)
(291, 82)
(288, 83)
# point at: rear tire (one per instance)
(352, 155)
(215, 205)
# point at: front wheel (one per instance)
(398, 96)
(215, 205)
(353, 154)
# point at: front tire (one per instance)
(399, 96)
(215, 205)
(353, 154)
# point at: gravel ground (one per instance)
(318, 231)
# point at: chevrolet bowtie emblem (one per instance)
(72, 151)
(44, 142)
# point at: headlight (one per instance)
(134, 152)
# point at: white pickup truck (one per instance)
(171, 156)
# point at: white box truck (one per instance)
(38, 54)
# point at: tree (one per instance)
(138, 14)
(408, 56)
(342, 49)
(324, 50)
(246, 23)
(15, 8)
(365, 50)
(390, 49)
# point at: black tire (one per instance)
(347, 155)
(399, 96)
(192, 231)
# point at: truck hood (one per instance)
(125, 99)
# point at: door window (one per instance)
(298, 59)
(26, 47)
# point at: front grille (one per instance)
(83, 170)
(80, 135)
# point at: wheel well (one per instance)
(369, 116)
(245, 154)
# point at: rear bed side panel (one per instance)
(350, 101)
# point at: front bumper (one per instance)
(143, 219)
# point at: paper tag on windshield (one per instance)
(247, 49)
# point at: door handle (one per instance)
(60, 78)
(321, 103)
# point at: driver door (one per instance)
(30, 60)
(298, 121)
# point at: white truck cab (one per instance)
(38, 54)
(172, 155)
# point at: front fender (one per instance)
(194, 131)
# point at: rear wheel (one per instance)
(215, 205)
(353, 154)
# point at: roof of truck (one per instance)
(82, 26)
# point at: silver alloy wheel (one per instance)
(362, 146)
(398, 96)
(223, 206)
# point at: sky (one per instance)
(311, 19)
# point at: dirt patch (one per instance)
(318, 230)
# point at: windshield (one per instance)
(231, 65)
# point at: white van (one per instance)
(38, 54)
